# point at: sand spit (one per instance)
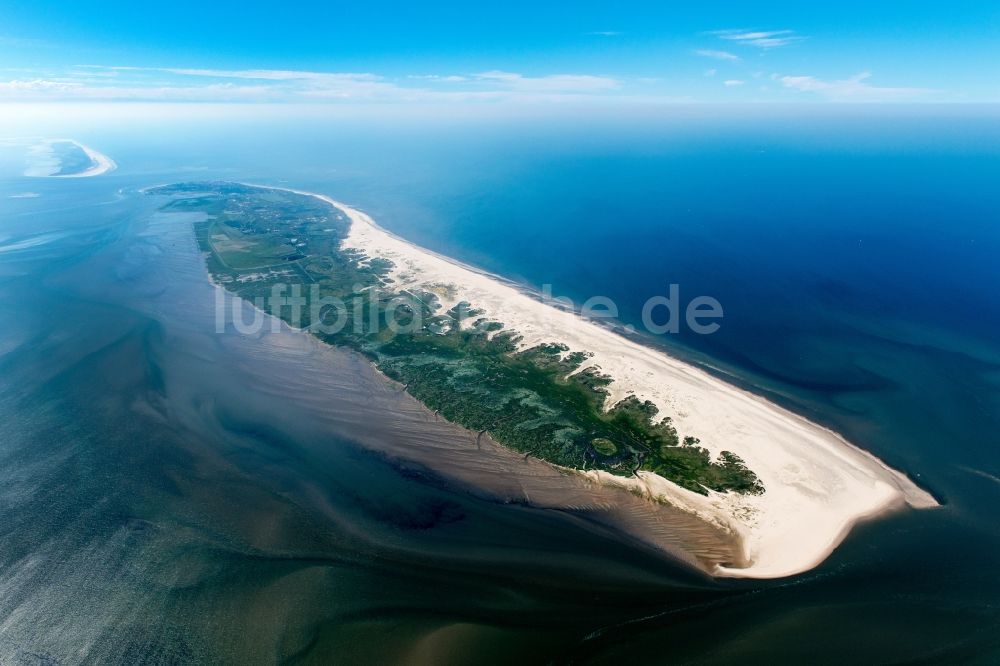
(100, 163)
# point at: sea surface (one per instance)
(170, 494)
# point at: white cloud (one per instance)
(352, 81)
(854, 88)
(46, 91)
(275, 75)
(38, 85)
(718, 55)
(438, 77)
(91, 82)
(552, 83)
(604, 33)
(765, 39)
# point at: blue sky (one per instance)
(512, 52)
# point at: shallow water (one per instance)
(169, 494)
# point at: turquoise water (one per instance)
(163, 501)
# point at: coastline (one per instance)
(100, 163)
(818, 485)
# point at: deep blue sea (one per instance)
(855, 254)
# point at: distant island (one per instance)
(543, 381)
(66, 158)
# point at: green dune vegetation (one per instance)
(259, 241)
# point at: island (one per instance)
(540, 380)
(66, 158)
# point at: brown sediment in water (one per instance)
(381, 416)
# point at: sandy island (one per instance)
(818, 485)
(99, 162)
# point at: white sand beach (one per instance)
(817, 484)
(101, 164)
(45, 164)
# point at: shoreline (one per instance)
(818, 485)
(100, 163)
